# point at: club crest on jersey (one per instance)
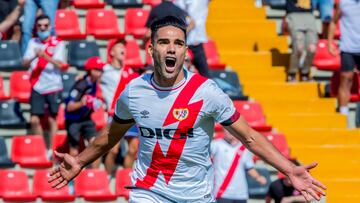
(181, 114)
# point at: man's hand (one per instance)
(68, 170)
(40, 53)
(21, 3)
(308, 186)
(332, 49)
(261, 180)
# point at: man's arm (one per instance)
(72, 166)
(56, 63)
(259, 178)
(259, 145)
(332, 28)
(11, 19)
(292, 199)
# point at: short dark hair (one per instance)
(167, 21)
(41, 17)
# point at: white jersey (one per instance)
(176, 127)
(45, 77)
(223, 154)
(109, 82)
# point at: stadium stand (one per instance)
(229, 82)
(60, 119)
(20, 86)
(11, 115)
(102, 24)
(10, 56)
(14, 186)
(67, 26)
(68, 81)
(132, 56)
(5, 161)
(99, 118)
(152, 3)
(212, 56)
(323, 60)
(123, 179)
(135, 19)
(43, 189)
(3, 94)
(98, 190)
(29, 151)
(123, 3)
(80, 51)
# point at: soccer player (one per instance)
(176, 111)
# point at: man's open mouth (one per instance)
(170, 61)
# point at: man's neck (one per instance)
(116, 64)
(164, 82)
(46, 40)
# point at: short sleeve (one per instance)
(219, 105)
(60, 52)
(30, 50)
(122, 112)
(249, 163)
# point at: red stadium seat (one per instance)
(279, 141)
(132, 56)
(152, 3)
(103, 24)
(88, 4)
(99, 119)
(218, 127)
(218, 135)
(97, 190)
(253, 114)
(20, 87)
(123, 179)
(355, 88)
(30, 151)
(67, 25)
(135, 20)
(323, 60)
(60, 119)
(3, 95)
(60, 144)
(212, 56)
(43, 189)
(14, 186)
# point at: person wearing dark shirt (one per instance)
(304, 38)
(80, 105)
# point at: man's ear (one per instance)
(151, 49)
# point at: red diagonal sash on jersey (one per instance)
(231, 172)
(167, 163)
(42, 62)
(126, 76)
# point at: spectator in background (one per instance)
(113, 81)
(231, 185)
(48, 8)
(45, 56)
(326, 8)
(80, 105)
(348, 12)
(198, 11)
(301, 22)
(282, 191)
(8, 21)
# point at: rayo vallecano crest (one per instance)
(181, 114)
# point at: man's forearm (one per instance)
(331, 32)
(108, 138)
(56, 63)
(11, 19)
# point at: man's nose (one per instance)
(171, 48)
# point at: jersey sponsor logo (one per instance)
(144, 114)
(181, 114)
(167, 133)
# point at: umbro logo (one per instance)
(144, 114)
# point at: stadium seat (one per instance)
(60, 119)
(218, 135)
(132, 56)
(135, 20)
(68, 80)
(277, 4)
(88, 4)
(30, 151)
(14, 186)
(123, 3)
(279, 141)
(3, 94)
(10, 56)
(5, 161)
(43, 189)
(323, 60)
(355, 88)
(99, 118)
(229, 82)
(60, 143)
(152, 3)
(253, 114)
(67, 25)
(80, 51)
(212, 56)
(123, 179)
(102, 24)
(20, 87)
(255, 189)
(11, 115)
(98, 190)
